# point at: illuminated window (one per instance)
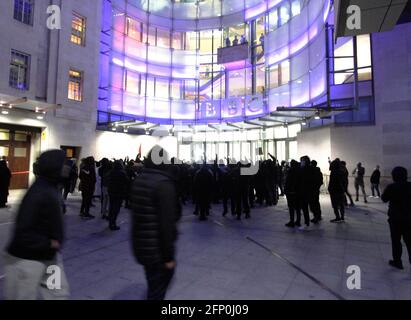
(274, 77)
(284, 14)
(134, 29)
(23, 11)
(75, 87)
(273, 20)
(163, 38)
(78, 29)
(19, 70)
(295, 7)
(344, 60)
(133, 82)
(285, 72)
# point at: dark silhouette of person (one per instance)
(38, 234)
(398, 194)
(262, 41)
(346, 182)
(228, 42)
(336, 189)
(117, 191)
(203, 190)
(375, 182)
(155, 211)
(291, 192)
(242, 192)
(87, 186)
(227, 185)
(235, 41)
(104, 172)
(5, 177)
(314, 203)
(305, 188)
(359, 173)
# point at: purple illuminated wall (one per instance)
(130, 70)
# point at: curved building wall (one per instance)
(157, 73)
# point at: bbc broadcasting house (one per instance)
(119, 76)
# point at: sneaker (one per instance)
(290, 225)
(336, 220)
(396, 264)
(303, 228)
(298, 224)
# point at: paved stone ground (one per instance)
(227, 259)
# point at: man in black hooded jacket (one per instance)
(38, 236)
(155, 212)
(398, 194)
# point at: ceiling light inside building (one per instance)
(40, 117)
(4, 112)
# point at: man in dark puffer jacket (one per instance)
(38, 235)
(155, 212)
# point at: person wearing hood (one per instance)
(398, 194)
(336, 188)
(87, 187)
(38, 236)
(291, 192)
(117, 190)
(155, 211)
(5, 177)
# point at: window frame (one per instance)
(81, 85)
(26, 68)
(76, 33)
(19, 9)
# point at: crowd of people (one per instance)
(155, 192)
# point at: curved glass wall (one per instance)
(165, 74)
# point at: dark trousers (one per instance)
(337, 202)
(86, 197)
(226, 198)
(315, 206)
(375, 187)
(242, 203)
(3, 198)
(158, 281)
(115, 205)
(348, 194)
(400, 230)
(304, 204)
(360, 184)
(293, 208)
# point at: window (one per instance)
(75, 89)
(78, 29)
(344, 60)
(295, 7)
(19, 70)
(134, 29)
(23, 11)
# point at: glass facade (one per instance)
(161, 73)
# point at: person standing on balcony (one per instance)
(235, 41)
(262, 39)
(228, 42)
